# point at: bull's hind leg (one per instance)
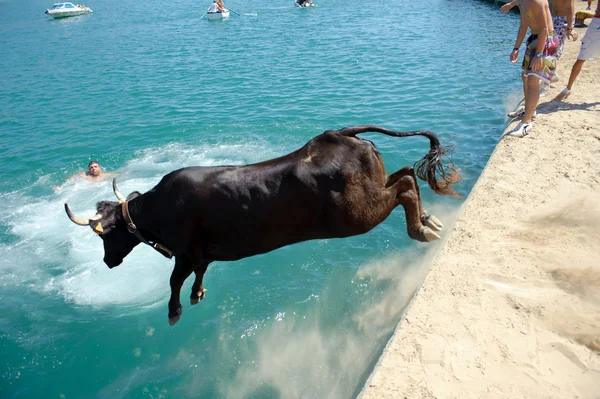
(198, 289)
(426, 219)
(406, 191)
(182, 270)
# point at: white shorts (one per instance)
(590, 44)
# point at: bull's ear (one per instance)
(96, 225)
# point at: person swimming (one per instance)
(94, 173)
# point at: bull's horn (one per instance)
(74, 218)
(117, 192)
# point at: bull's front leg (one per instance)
(428, 220)
(406, 192)
(182, 270)
(198, 289)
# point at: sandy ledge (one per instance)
(511, 306)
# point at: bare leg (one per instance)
(524, 79)
(575, 69)
(197, 288)
(532, 97)
(575, 72)
(183, 268)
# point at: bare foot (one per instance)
(563, 95)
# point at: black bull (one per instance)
(334, 186)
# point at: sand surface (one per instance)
(511, 305)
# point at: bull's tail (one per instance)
(436, 167)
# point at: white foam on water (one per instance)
(50, 255)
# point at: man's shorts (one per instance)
(560, 29)
(548, 60)
(590, 44)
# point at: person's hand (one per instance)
(505, 8)
(537, 64)
(514, 56)
(571, 34)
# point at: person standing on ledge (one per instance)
(590, 49)
(563, 16)
(540, 54)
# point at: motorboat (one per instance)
(221, 14)
(67, 9)
(304, 3)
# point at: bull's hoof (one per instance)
(175, 318)
(195, 298)
(428, 234)
(432, 222)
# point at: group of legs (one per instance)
(533, 79)
(590, 49)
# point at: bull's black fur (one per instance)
(334, 186)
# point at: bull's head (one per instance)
(109, 224)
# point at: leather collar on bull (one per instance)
(131, 227)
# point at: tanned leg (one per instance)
(532, 97)
(575, 72)
(182, 270)
(524, 79)
(575, 69)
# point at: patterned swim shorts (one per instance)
(560, 28)
(548, 60)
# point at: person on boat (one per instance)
(221, 5)
(303, 3)
(214, 7)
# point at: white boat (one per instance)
(218, 14)
(66, 9)
(304, 3)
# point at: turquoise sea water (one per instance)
(146, 88)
